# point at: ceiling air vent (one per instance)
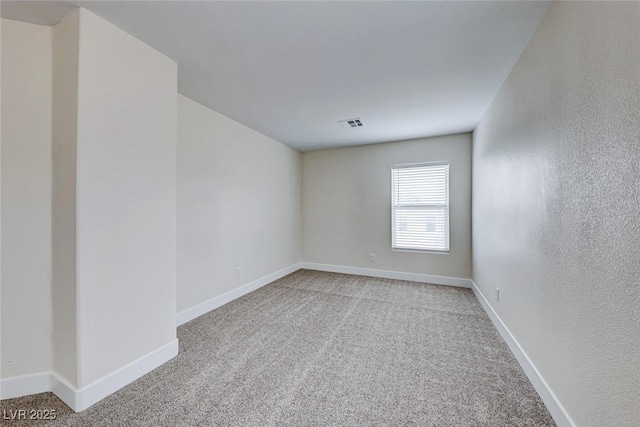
(351, 123)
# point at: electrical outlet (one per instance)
(238, 272)
(497, 294)
(372, 257)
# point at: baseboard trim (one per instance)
(109, 384)
(204, 307)
(24, 385)
(64, 390)
(557, 411)
(388, 274)
(81, 399)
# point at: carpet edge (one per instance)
(204, 307)
(389, 274)
(551, 401)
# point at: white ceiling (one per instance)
(292, 70)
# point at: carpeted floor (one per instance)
(320, 349)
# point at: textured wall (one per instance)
(556, 207)
(346, 205)
(238, 204)
(26, 198)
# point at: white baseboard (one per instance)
(25, 385)
(64, 390)
(388, 274)
(557, 411)
(98, 390)
(81, 399)
(204, 307)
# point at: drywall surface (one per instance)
(126, 199)
(346, 206)
(26, 198)
(63, 206)
(238, 204)
(556, 207)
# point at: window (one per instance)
(420, 207)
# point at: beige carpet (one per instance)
(318, 349)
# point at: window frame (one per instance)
(448, 219)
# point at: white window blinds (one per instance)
(420, 207)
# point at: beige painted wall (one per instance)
(346, 206)
(125, 197)
(556, 207)
(238, 204)
(26, 198)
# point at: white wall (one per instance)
(556, 207)
(26, 198)
(126, 199)
(63, 207)
(346, 206)
(89, 170)
(238, 204)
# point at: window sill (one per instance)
(419, 251)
